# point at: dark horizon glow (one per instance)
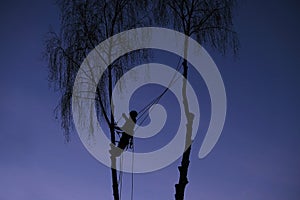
(257, 156)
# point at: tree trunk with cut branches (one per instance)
(210, 23)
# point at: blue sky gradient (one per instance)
(256, 158)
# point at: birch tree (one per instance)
(210, 22)
(83, 25)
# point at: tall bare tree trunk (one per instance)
(183, 169)
(114, 176)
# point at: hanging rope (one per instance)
(121, 176)
(142, 114)
(132, 174)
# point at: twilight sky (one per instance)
(256, 158)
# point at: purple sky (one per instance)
(256, 158)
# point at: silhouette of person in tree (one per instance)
(127, 132)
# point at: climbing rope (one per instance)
(143, 111)
(132, 174)
(121, 176)
(142, 115)
(120, 182)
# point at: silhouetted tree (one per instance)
(83, 25)
(86, 23)
(210, 23)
